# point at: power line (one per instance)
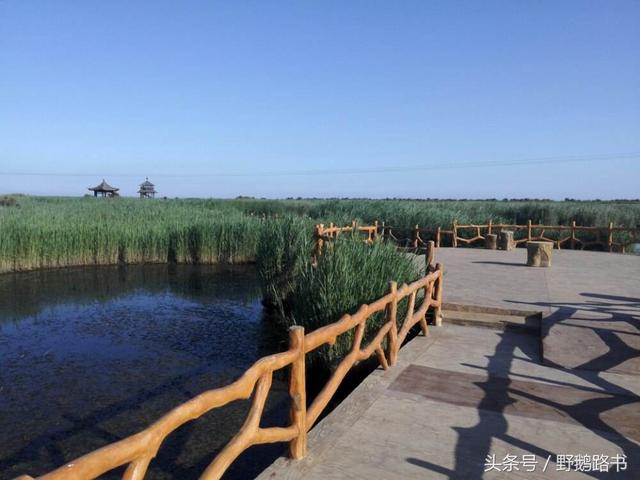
(353, 171)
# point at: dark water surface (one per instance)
(91, 355)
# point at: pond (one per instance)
(91, 355)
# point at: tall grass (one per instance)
(41, 232)
(348, 274)
(407, 213)
(284, 251)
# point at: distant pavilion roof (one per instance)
(147, 186)
(104, 187)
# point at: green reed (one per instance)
(43, 232)
(346, 275)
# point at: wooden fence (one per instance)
(138, 450)
(322, 234)
(610, 238)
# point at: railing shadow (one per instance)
(620, 310)
(601, 395)
(506, 264)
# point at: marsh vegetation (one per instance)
(45, 232)
(347, 274)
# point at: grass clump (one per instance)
(348, 274)
(62, 231)
(284, 250)
(58, 232)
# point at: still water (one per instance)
(91, 355)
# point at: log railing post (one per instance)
(437, 314)
(454, 229)
(610, 237)
(416, 236)
(573, 235)
(298, 393)
(428, 257)
(529, 230)
(392, 312)
(318, 232)
(438, 237)
(490, 226)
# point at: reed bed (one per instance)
(432, 213)
(48, 233)
(45, 232)
(346, 275)
(284, 251)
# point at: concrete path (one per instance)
(590, 301)
(467, 394)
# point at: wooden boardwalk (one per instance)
(571, 387)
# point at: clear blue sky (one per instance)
(123, 90)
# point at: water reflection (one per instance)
(91, 355)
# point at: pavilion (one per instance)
(104, 190)
(147, 189)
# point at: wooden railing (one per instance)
(369, 233)
(331, 232)
(416, 239)
(608, 238)
(138, 450)
(322, 234)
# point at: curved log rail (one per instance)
(416, 239)
(369, 233)
(137, 451)
(322, 234)
(610, 238)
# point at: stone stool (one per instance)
(539, 254)
(491, 241)
(507, 242)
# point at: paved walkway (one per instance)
(590, 301)
(465, 393)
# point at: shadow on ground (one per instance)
(501, 395)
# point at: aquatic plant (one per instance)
(284, 249)
(56, 232)
(347, 274)
(44, 232)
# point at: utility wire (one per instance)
(352, 171)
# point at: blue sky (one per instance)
(185, 91)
